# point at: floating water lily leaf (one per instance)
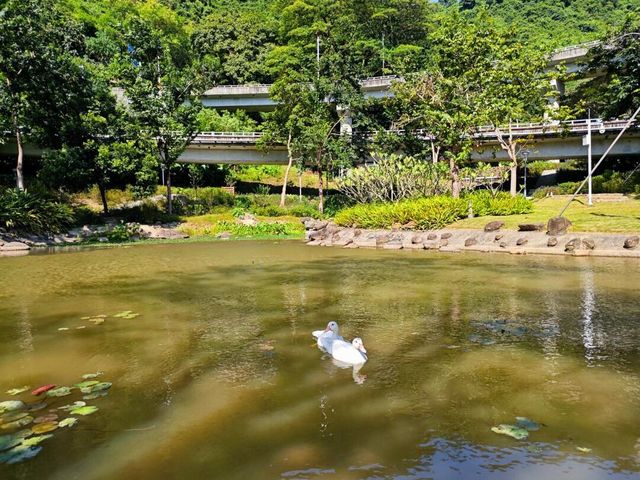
(18, 391)
(59, 392)
(44, 427)
(63, 329)
(51, 417)
(81, 327)
(131, 315)
(88, 376)
(583, 449)
(97, 321)
(88, 383)
(511, 430)
(88, 410)
(77, 404)
(68, 422)
(96, 387)
(42, 389)
(123, 314)
(34, 407)
(94, 395)
(29, 442)
(527, 424)
(12, 416)
(85, 318)
(22, 422)
(10, 441)
(11, 405)
(19, 454)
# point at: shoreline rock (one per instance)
(529, 241)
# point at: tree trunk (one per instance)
(455, 178)
(320, 190)
(283, 195)
(514, 180)
(19, 175)
(103, 197)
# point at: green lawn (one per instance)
(604, 216)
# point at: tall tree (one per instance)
(41, 82)
(163, 85)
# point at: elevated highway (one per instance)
(544, 141)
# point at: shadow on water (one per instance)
(221, 376)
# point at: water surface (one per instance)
(219, 377)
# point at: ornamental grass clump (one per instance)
(26, 212)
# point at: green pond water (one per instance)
(219, 377)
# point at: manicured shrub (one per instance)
(26, 212)
(431, 213)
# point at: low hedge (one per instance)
(431, 213)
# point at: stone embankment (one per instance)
(533, 238)
(11, 242)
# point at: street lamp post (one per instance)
(525, 154)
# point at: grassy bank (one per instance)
(604, 216)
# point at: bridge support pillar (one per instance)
(346, 121)
(557, 91)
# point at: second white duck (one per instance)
(352, 353)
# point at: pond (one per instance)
(215, 374)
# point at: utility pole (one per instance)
(589, 161)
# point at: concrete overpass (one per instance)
(545, 141)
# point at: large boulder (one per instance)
(521, 242)
(248, 219)
(558, 226)
(572, 244)
(493, 226)
(631, 242)
(14, 247)
(553, 241)
(531, 227)
(470, 242)
(588, 243)
(445, 236)
(432, 236)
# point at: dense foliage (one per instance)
(26, 212)
(431, 213)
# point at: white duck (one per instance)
(327, 336)
(352, 353)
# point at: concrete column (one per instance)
(557, 91)
(346, 120)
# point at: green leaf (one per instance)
(18, 391)
(88, 376)
(11, 405)
(29, 442)
(59, 392)
(77, 404)
(24, 421)
(68, 422)
(88, 410)
(19, 454)
(88, 383)
(527, 424)
(44, 427)
(511, 430)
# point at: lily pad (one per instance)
(11, 405)
(511, 430)
(59, 392)
(583, 449)
(34, 407)
(22, 422)
(51, 417)
(29, 442)
(9, 441)
(94, 395)
(43, 389)
(76, 404)
(97, 321)
(88, 410)
(63, 329)
(89, 376)
(12, 416)
(81, 327)
(123, 314)
(527, 424)
(19, 454)
(18, 391)
(131, 315)
(96, 387)
(68, 422)
(45, 427)
(88, 383)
